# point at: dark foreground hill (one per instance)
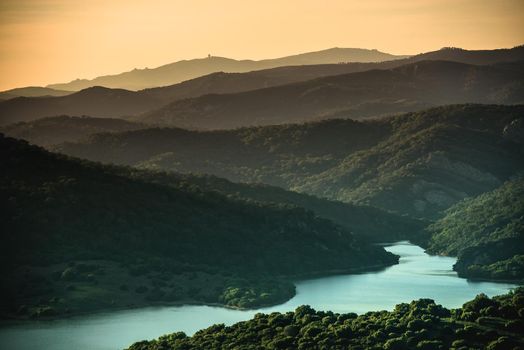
(482, 323)
(486, 233)
(417, 164)
(357, 95)
(78, 236)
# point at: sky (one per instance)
(52, 41)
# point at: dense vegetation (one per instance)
(486, 233)
(368, 223)
(376, 92)
(417, 164)
(482, 323)
(78, 236)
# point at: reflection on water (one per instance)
(418, 275)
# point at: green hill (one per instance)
(486, 232)
(368, 223)
(79, 236)
(418, 163)
(482, 323)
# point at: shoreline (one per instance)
(6, 322)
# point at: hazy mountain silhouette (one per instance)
(112, 104)
(32, 91)
(371, 93)
(95, 101)
(220, 82)
(187, 69)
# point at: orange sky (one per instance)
(49, 41)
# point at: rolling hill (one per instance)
(418, 163)
(486, 233)
(357, 95)
(116, 103)
(76, 235)
(95, 101)
(32, 91)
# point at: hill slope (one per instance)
(32, 91)
(54, 130)
(486, 232)
(95, 101)
(176, 72)
(417, 164)
(76, 235)
(356, 95)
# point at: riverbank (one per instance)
(105, 286)
(418, 275)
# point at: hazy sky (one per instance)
(49, 41)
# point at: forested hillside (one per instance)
(417, 164)
(486, 233)
(368, 223)
(79, 236)
(482, 323)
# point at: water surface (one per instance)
(418, 275)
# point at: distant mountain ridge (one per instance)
(176, 72)
(32, 91)
(95, 101)
(407, 88)
(105, 102)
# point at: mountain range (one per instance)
(370, 93)
(176, 72)
(104, 102)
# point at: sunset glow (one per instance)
(49, 41)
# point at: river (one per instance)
(418, 275)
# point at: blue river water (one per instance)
(418, 275)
